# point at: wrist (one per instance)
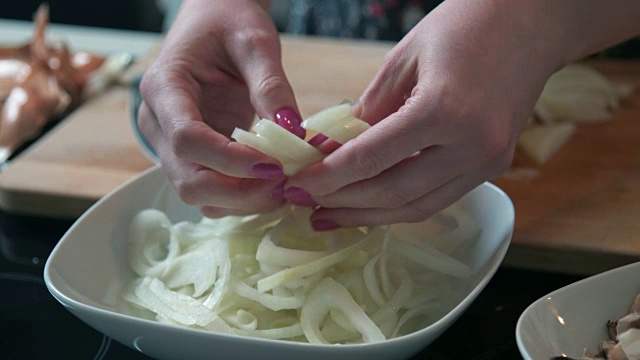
(539, 27)
(569, 30)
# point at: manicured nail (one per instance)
(267, 171)
(324, 225)
(300, 197)
(278, 191)
(317, 140)
(290, 120)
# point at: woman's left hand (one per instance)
(447, 108)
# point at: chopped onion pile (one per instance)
(294, 153)
(579, 94)
(575, 95)
(271, 276)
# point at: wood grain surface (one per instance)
(579, 214)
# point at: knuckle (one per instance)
(254, 38)
(392, 59)
(161, 77)
(180, 139)
(366, 164)
(225, 164)
(187, 191)
(146, 85)
(271, 85)
(394, 197)
(150, 83)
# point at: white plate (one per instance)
(88, 269)
(573, 318)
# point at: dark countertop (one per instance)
(42, 328)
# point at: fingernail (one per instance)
(324, 225)
(317, 140)
(299, 196)
(290, 120)
(267, 171)
(278, 191)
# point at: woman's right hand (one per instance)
(220, 64)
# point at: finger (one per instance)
(257, 54)
(389, 89)
(197, 185)
(382, 146)
(404, 182)
(416, 211)
(175, 110)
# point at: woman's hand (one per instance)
(447, 108)
(219, 65)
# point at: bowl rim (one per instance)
(518, 330)
(449, 318)
(135, 101)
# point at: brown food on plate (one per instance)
(624, 338)
(39, 83)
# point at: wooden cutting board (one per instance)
(579, 214)
(94, 150)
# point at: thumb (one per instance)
(258, 59)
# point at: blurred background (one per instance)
(142, 15)
(299, 16)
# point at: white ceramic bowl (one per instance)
(573, 318)
(88, 268)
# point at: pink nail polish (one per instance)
(278, 191)
(267, 171)
(324, 225)
(290, 120)
(300, 197)
(317, 140)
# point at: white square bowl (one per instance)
(88, 269)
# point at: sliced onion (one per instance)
(543, 141)
(196, 282)
(286, 332)
(292, 146)
(301, 271)
(222, 281)
(578, 93)
(150, 243)
(272, 254)
(336, 334)
(327, 116)
(269, 301)
(198, 267)
(425, 309)
(328, 295)
(180, 308)
(292, 159)
(242, 319)
(336, 123)
(431, 258)
(371, 281)
(346, 129)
